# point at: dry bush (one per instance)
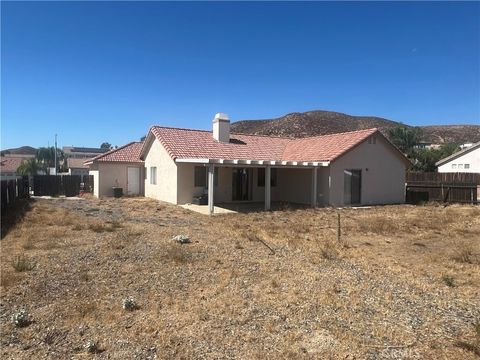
(377, 225)
(329, 249)
(465, 254)
(177, 254)
(102, 227)
(21, 263)
(448, 280)
(77, 227)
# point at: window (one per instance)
(467, 166)
(261, 177)
(454, 166)
(153, 175)
(460, 166)
(201, 176)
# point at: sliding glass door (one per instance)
(352, 187)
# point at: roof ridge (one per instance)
(111, 151)
(340, 133)
(458, 153)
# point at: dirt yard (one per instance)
(402, 283)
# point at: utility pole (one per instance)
(55, 154)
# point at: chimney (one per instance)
(221, 128)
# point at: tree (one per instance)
(106, 145)
(143, 138)
(405, 138)
(425, 159)
(46, 157)
(28, 167)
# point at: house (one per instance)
(466, 160)
(353, 168)
(82, 152)
(76, 166)
(120, 167)
(9, 166)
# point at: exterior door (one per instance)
(133, 181)
(241, 184)
(352, 187)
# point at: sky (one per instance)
(106, 71)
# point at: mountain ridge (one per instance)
(322, 122)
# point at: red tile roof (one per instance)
(10, 163)
(199, 144)
(186, 143)
(126, 153)
(325, 147)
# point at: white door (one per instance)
(133, 181)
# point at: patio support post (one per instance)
(267, 188)
(211, 172)
(314, 187)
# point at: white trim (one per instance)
(279, 163)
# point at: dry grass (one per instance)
(258, 285)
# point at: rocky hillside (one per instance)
(327, 122)
(23, 150)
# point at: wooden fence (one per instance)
(444, 187)
(13, 190)
(68, 185)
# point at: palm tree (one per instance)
(28, 167)
(46, 157)
(405, 138)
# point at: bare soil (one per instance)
(401, 283)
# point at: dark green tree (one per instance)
(425, 159)
(405, 138)
(106, 145)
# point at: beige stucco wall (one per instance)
(382, 183)
(166, 187)
(108, 175)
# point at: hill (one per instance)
(23, 150)
(321, 122)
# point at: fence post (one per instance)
(339, 229)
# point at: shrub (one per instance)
(21, 318)
(448, 280)
(465, 254)
(129, 304)
(22, 263)
(329, 250)
(91, 347)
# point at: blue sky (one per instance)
(104, 71)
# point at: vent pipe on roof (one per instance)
(221, 128)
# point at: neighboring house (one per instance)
(466, 160)
(9, 166)
(82, 152)
(77, 167)
(354, 168)
(427, 145)
(120, 167)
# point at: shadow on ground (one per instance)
(14, 214)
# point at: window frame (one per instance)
(153, 175)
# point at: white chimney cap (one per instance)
(221, 116)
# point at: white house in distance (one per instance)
(353, 168)
(120, 167)
(466, 160)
